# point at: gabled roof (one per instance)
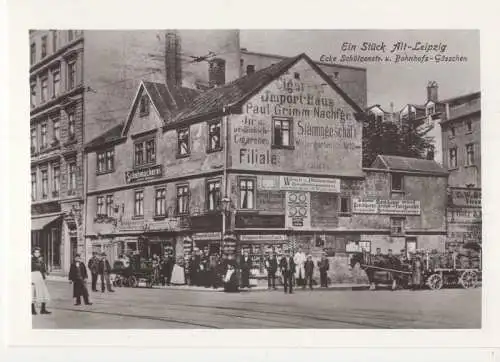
(408, 164)
(110, 135)
(237, 92)
(167, 100)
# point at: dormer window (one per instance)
(144, 106)
(431, 109)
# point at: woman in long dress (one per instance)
(178, 273)
(40, 292)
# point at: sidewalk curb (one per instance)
(338, 287)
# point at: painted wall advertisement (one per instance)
(386, 207)
(299, 183)
(300, 125)
(298, 210)
(465, 198)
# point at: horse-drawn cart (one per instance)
(133, 276)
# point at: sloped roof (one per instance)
(237, 92)
(110, 135)
(399, 163)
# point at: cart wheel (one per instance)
(435, 282)
(468, 279)
(132, 281)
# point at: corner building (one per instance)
(273, 158)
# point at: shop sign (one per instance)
(170, 224)
(298, 210)
(399, 207)
(244, 220)
(132, 225)
(360, 206)
(263, 237)
(466, 198)
(388, 207)
(207, 236)
(268, 183)
(207, 222)
(309, 184)
(357, 246)
(143, 174)
(464, 215)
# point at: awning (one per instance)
(40, 222)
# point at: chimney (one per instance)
(432, 91)
(217, 72)
(173, 64)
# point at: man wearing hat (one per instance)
(94, 270)
(78, 276)
(104, 270)
(308, 271)
(39, 289)
(287, 266)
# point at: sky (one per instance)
(386, 82)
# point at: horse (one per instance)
(378, 276)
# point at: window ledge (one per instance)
(282, 147)
(345, 214)
(214, 150)
(98, 173)
(138, 217)
(142, 165)
(453, 169)
(397, 192)
(469, 166)
(182, 156)
(159, 217)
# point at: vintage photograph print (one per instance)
(319, 179)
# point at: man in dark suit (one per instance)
(309, 271)
(78, 276)
(272, 268)
(104, 270)
(93, 267)
(245, 265)
(323, 265)
(287, 267)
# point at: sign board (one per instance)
(388, 207)
(360, 206)
(357, 246)
(268, 183)
(263, 237)
(170, 224)
(244, 220)
(464, 215)
(143, 174)
(298, 210)
(132, 225)
(317, 122)
(207, 236)
(399, 207)
(309, 184)
(465, 198)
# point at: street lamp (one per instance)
(226, 204)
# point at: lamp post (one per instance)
(226, 203)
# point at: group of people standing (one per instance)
(166, 270)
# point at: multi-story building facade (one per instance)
(71, 72)
(271, 158)
(461, 137)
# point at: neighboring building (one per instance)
(461, 135)
(277, 152)
(80, 83)
(381, 115)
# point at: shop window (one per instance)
(365, 246)
(214, 136)
(183, 148)
(100, 206)
(33, 185)
(160, 202)
(139, 203)
(282, 132)
(56, 180)
(397, 226)
(213, 195)
(453, 158)
(109, 205)
(182, 199)
(145, 152)
(397, 182)
(144, 106)
(345, 206)
(45, 184)
(105, 161)
(247, 193)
